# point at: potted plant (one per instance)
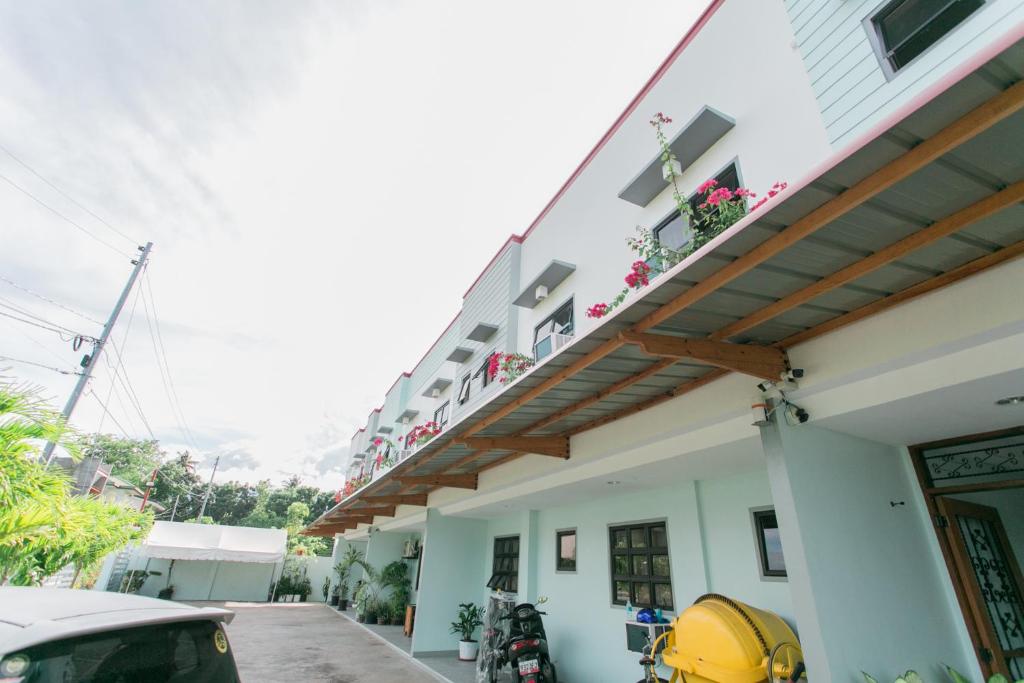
(383, 613)
(335, 596)
(397, 606)
(352, 558)
(304, 587)
(166, 593)
(469, 619)
(326, 588)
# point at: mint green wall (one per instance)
(586, 633)
(452, 574)
(729, 545)
(868, 589)
(385, 547)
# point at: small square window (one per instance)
(769, 543)
(566, 547)
(441, 414)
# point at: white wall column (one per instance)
(452, 573)
(868, 587)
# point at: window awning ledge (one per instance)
(696, 137)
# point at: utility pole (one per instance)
(174, 510)
(97, 347)
(206, 496)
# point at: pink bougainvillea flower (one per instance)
(597, 311)
(707, 186)
(743, 192)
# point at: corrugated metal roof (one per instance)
(976, 170)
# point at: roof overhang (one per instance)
(931, 196)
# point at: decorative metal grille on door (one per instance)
(982, 542)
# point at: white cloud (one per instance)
(296, 165)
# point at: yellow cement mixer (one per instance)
(720, 640)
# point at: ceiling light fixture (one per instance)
(613, 483)
(1010, 401)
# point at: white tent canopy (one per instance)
(182, 541)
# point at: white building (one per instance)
(886, 270)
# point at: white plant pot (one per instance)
(468, 650)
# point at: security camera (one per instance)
(796, 415)
(792, 374)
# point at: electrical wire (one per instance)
(107, 412)
(121, 371)
(57, 213)
(163, 353)
(29, 314)
(39, 365)
(61, 332)
(66, 195)
(47, 299)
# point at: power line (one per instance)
(121, 370)
(107, 412)
(57, 213)
(62, 331)
(67, 196)
(146, 280)
(162, 368)
(10, 305)
(39, 365)
(48, 299)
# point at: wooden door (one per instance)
(992, 581)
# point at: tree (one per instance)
(130, 459)
(42, 527)
(297, 516)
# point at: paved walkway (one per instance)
(308, 642)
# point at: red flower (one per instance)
(707, 186)
(597, 311)
(378, 441)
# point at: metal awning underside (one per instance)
(925, 202)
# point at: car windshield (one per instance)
(194, 651)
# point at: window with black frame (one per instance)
(505, 568)
(674, 232)
(483, 371)
(464, 389)
(441, 414)
(559, 322)
(906, 28)
(565, 550)
(769, 543)
(641, 573)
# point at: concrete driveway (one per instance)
(310, 642)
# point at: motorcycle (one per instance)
(522, 643)
(526, 647)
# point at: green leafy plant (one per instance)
(469, 619)
(351, 559)
(43, 528)
(912, 676)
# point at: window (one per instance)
(769, 544)
(560, 322)
(565, 550)
(441, 414)
(181, 651)
(505, 572)
(482, 373)
(674, 231)
(640, 566)
(903, 29)
(464, 389)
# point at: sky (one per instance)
(322, 181)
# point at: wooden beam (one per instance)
(943, 228)
(380, 511)
(419, 499)
(998, 108)
(557, 446)
(455, 481)
(972, 267)
(565, 373)
(761, 361)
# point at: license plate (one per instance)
(529, 666)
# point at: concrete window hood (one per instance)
(698, 136)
